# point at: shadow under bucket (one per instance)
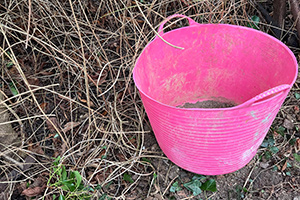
(218, 63)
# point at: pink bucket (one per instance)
(218, 61)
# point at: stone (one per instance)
(288, 124)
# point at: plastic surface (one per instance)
(219, 61)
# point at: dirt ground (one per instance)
(73, 125)
(261, 177)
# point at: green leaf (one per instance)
(154, 175)
(194, 186)
(209, 185)
(288, 173)
(146, 160)
(268, 155)
(199, 177)
(53, 196)
(175, 187)
(297, 95)
(98, 187)
(292, 141)
(108, 184)
(61, 197)
(127, 178)
(56, 161)
(297, 157)
(13, 89)
(9, 64)
(63, 173)
(82, 187)
(268, 142)
(103, 197)
(59, 171)
(76, 174)
(274, 150)
(68, 185)
(78, 178)
(254, 22)
(281, 130)
(255, 19)
(89, 189)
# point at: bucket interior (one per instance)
(218, 61)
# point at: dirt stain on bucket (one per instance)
(209, 104)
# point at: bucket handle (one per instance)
(161, 27)
(266, 94)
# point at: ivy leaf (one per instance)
(175, 187)
(199, 177)
(268, 142)
(194, 186)
(255, 19)
(209, 185)
(254, 22)
(274, 150)
(297, 95)
(268, 155)
(281, 130)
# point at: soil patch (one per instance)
(208, 104)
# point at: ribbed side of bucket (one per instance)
(211, 142)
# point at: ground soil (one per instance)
(208, 104)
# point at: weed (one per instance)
(127, 177)
(175, 187)
(198, 184)
(254, 22)
(269, 143)
(69, 182)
